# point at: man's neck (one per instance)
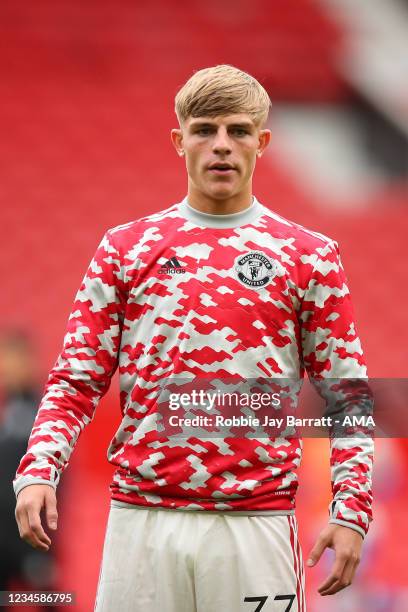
(206, 204)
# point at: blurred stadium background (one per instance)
(86, 107)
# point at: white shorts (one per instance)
(174, 561)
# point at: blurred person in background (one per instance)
(20, 567)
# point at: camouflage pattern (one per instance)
(283, 310)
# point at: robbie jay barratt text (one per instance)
(289, 421)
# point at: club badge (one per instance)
(254, 269)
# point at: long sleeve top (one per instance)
(188, 294)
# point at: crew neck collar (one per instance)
(220, 221)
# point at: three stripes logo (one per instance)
(172, 266)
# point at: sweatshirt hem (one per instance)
(119, 504)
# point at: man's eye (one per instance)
(203, 131)
(240, 132)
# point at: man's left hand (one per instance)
(346, 543)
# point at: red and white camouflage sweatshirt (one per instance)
(219, 317)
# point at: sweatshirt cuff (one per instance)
(359, 530)
(25, 481)
(346, 512)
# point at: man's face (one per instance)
(220, 153)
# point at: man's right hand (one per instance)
(30, 501)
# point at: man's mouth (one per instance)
(221, 168)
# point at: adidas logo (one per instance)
(172, 266)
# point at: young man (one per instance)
(214, 286)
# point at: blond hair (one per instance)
(222, 90)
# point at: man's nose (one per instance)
(222, 142)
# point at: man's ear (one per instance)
(177, 140)
(264, 140)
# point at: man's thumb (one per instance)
(316, 552)
(51, 511)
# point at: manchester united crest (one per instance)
(254, 269)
